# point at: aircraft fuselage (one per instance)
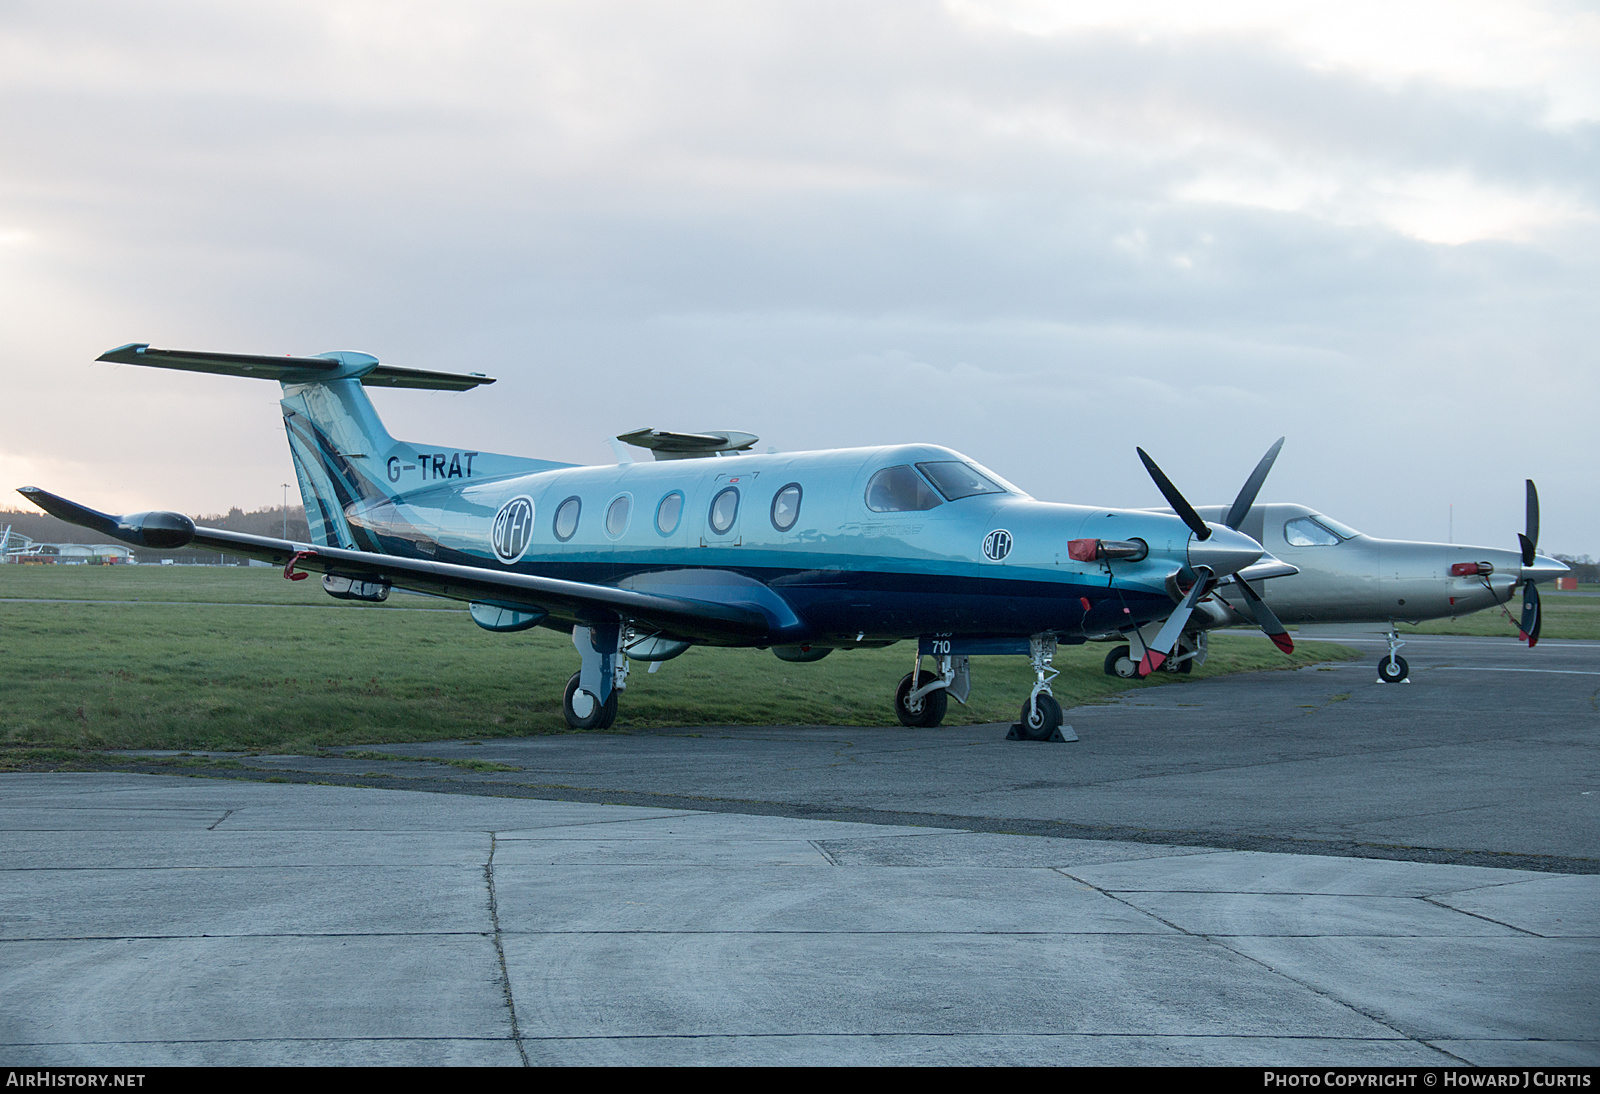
(840, 573)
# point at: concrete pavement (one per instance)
(153, 919)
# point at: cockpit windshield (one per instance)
(1343, 531)
(1317, 531)
(958, 480)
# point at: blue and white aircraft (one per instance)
(803, 553)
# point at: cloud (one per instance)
(1039, 233)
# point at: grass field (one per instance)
(237, 658)
(1566, 615)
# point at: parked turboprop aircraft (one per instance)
(1348, 577)
(803, 552)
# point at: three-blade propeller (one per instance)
(1532, 616)
(1166, 641)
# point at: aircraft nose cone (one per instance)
(1544, 569)
(1226, 552)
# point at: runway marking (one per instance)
(1558, 672)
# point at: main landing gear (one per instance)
(1393, 668)
(591, 698)
(923, 697)
(1123, 661)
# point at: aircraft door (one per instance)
(722, 510)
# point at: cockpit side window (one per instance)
(900, 490)
(957, 480)
(1305, 532)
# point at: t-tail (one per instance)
(345, 460)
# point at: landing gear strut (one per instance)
(591, 697)
(1393, 668)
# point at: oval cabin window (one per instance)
(724, 509)
(668, 512)
(617, 516)
(566, 522)
(786, 507)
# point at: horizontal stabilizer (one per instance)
(165, 531)
(294, 370)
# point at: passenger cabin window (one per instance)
(957, 480)
(786, 507)
(900, 490)
(617, 516)
(668, 512)
(566, 522)
(1306, 532)
(724, 508)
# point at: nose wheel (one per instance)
(1393, 668)
(1041, 718)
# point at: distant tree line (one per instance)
(43, 528)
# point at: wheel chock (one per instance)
(1063, 734)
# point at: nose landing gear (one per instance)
(1393, 668)
(1042, 718)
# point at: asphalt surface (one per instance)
(1487, 757)
(1286, 868)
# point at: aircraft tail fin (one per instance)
(345, 460)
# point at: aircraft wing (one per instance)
(570, 601)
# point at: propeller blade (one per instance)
(1252, 487)
(1265, 619)
(1531, 615)
(1161, 649)
(1179, 504)
(1530, 542)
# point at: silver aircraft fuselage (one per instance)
(1349, 577)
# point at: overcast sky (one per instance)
(1040, 233)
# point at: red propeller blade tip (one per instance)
(1283, 642)
(1151, 661)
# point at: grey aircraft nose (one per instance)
(1225, 552)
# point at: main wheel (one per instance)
(1120, 663)
(923, 713)
(1393, 669)
(1041, 717)
(584, 711)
